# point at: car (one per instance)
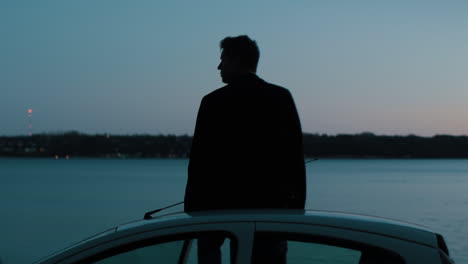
(247, 236)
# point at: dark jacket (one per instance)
(247, 149)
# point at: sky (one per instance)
(141, 67)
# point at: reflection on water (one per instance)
(48, 204)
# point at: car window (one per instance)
(192, 250)
(222, 249)
(158, 253)
(292, 249)
(307, 252)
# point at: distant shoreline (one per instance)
(346, 146)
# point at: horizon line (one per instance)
(365, 133)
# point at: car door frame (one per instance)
(115, 243)
(411, 252)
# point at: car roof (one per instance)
(364, 223)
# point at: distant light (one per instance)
(29, 111)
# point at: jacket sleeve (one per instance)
(293, 132)
(194, 175)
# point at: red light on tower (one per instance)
(30, 122)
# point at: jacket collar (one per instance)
(246, 78)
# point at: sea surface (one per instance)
(48, 204)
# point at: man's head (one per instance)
(239, 56)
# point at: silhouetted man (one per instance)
(247, 149)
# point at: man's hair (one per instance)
(243, 48)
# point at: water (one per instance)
(48, 204)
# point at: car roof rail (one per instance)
(311, 160)
(148, 215)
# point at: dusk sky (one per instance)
(141, 67)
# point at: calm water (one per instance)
(48, 204)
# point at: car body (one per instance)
(312, 237)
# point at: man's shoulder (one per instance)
(216, 93)
(265, 87)
(276, 88)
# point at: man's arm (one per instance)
(192, 188)
(295, 149)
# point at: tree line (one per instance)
(364, 145)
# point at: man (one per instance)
(247, 149)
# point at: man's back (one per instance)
(247, 149)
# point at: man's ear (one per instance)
(241, 66)
(237, 61)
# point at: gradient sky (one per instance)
(109, 66)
